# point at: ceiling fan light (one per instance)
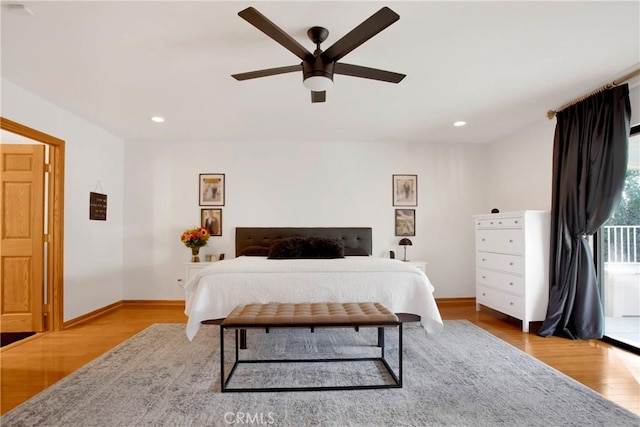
(317, 83)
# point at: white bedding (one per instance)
(214, 291)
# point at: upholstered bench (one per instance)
(311, 315)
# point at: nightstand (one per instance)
(420, 265)
(193, 268)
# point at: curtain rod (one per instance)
(551, 113)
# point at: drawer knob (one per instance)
(483, 240)
(484, 277)
(510, 283)
(491, 223)
(483, 259)
(516, 221)
(499, 222)
(483, 294)
(510, 240)
(510, 263)
(511, 303)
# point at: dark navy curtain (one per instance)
(590, 155)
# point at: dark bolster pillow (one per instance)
(255, 251)
(355, 252)
(325, 247)
(307, 248)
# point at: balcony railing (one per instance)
(621, 243)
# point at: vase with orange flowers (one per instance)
(195, 238)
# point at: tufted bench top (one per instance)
(310, 314)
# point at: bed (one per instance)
(357, 277)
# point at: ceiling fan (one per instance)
(319, 67)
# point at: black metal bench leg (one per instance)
(243, 339)
(380, 337)
(222, 381)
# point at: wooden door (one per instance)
(21, 233)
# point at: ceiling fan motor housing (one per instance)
(317, 67)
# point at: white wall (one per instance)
(339, 183)
(520, 169)
(92, 249)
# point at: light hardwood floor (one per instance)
(38, 362)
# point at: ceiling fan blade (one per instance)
(363, 32)
(258, 20)
(367, 73)
(267, 72)
(318, 96)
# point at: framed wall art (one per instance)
(405, 190)
(97, 206)
(405, 222)
(211, 189)
(211, 219)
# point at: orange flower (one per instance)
(195, 237)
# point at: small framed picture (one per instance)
(211, 219)
(211, 189)
(405, 190)
(405, 222)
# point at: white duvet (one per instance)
(216, 290)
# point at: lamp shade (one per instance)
(405, 242)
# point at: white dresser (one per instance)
(512, 264)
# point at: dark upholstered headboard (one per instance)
(353, 237)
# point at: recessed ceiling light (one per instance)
(157, 119)
(459, 123)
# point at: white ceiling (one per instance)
(498, 65)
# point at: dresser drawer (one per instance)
(502, 281)
(511, 222)
(501, 301)
(502, 262)
(506, 241)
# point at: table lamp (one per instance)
(405, 242)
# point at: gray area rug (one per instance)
(461, 377)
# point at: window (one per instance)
(618, 259)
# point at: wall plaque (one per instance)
(97, 206)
